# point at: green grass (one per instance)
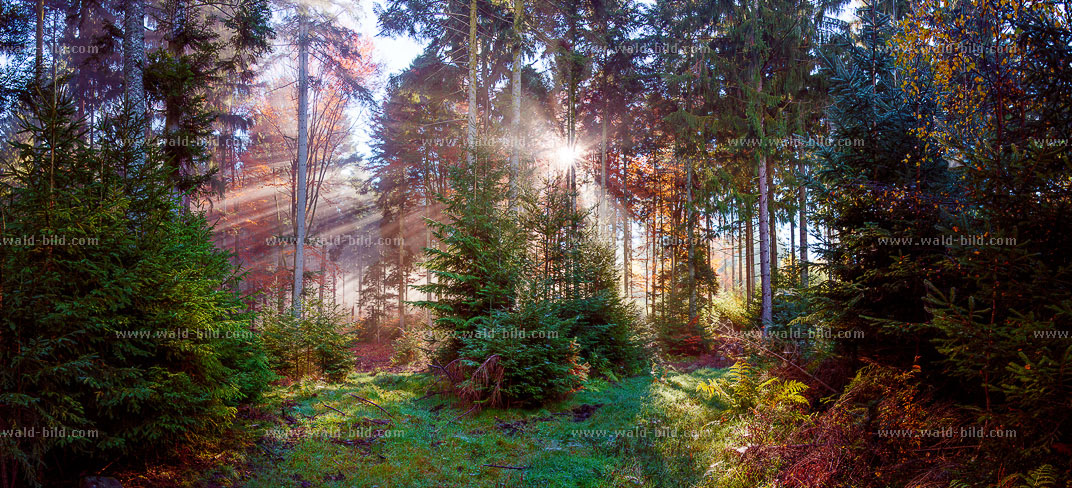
(646, 433)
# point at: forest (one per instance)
(536, 243)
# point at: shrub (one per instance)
(317, 344)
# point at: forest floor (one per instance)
(637, 432)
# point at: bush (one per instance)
(521, 315)
(540, 361)
(408, 347)
(317, 344)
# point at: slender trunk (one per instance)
(764, 196)
(792, 240)
(602, 213)
(689, 228)
(764, 245)
(709, 249)
(749, 256)
(323, 277)
(470, 120)
(627, 231)
(39, 37)
(428, 245)
(303, 154)
(133, 66)
(773, 214)
(401, 276)
(357, 295)
(647, 266)
(515, 86)
(802, 194)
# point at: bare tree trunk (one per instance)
(764, 245)
(792, 239)
(802, 194)
(764, 202)
(357, 295)
(303, 154)
(401, 275)
(134, 64)
(627, 232)
(773, 213)
(689, 228)
(470, 120)
(39, 37)
(749, 256)
(515, 86)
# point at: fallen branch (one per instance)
(463, 414)
(370, 402)
(504, 467)
(333, 408)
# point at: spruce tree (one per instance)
(118, 318)
(480, 260)
(882, 194)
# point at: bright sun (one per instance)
(566, 155)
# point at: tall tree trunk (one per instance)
(323, 277)
(470, 120)
(773, 214)
(749, 256)
(401, 274)
(428, 245)
(764, 194)
(303, 154)
(792, 239)
(802, 194)
(689, 228)
(764, 245)
(134, 65)
(515, 87)
(39, 38)
(627, 232)
(357, 294)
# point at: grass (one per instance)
(635, 433)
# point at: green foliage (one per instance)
(407, 347)
(883, 193)
(576, 272)
(317, 344)
(1001, 318)
(541, 361)
(479, 259)
(546, 316)
(744, 391)
(124, 324)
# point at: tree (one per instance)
(127, 307)
(303, 156)
(881, 192)
(999, 75)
